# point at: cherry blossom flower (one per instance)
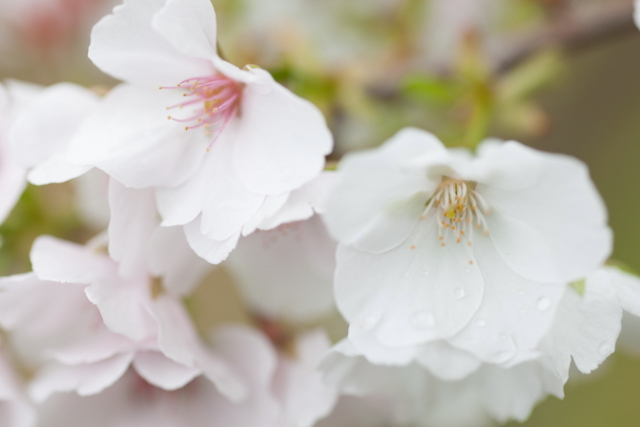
(225, 146)
(432, 239)
(584, 330)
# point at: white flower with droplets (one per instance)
(225, 147)
(437, 243)
(584, 332)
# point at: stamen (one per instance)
(217, 100)
(456, 203)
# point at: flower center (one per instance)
(215, 100)
(458, 209)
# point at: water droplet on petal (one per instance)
(425, 273)
(481, 323)
(502, 337)
(605, 347)
(467, 270)
(544, 304)
(521, 292)
(459, 293)
(367, 323)
(423, 320)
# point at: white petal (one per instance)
(586, 326)
(446, 362)
(44, 128)
(133, 221)
(555, 230)
(15, 408)
(382, 192)
(213, 251)
(12, 181)
(512, 393)
(60, 261)
(162, 372)
(84, 379)
(130, 138)
(627, 288)
(281, 140)
(189, 26)
(126, 46)
(55, 169)
(172, 259)
(515, 314)
(415, 293)
(287, 272)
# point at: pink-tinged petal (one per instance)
(281, 140)
(189, 26)
(55, 169)
(99, 344)
(586, 326)
(61, 261)
(15, 408)
(365, 343)
(162, 372)
(627, 287)
(130, 138)
(44, 128)
(554, 230)
(214, 251)
(133, 222)
(515, 314)
(178, 341)
(446, 362)
(126, 46)
(253, 359)
(381, 193)
(418, 292)
(305, 397)
(124, 305)
(83, 379)
(172, 259)
(287, 272)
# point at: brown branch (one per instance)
(574, 35)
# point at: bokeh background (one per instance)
(559, 75)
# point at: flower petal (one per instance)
(627, 288)
(281, 140)
(555, 230)
(126, 46)
(418, 292)
(214, 251)
(446, 362)
(189, 26)
(515, 314)
(382, 192)
(84, 379)
(130, 138)
(162, 372)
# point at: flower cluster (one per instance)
(468, 278)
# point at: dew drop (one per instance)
(481, 323)
(502, 337)
(521, 292)
(466, 270)
(425, 273)
(605, 347)
(423, 320)
(544, 304)
(367, 323)
(459, 293)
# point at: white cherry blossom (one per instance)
(225, 146)
(432, 240)
(584, 330)
(15, 408)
